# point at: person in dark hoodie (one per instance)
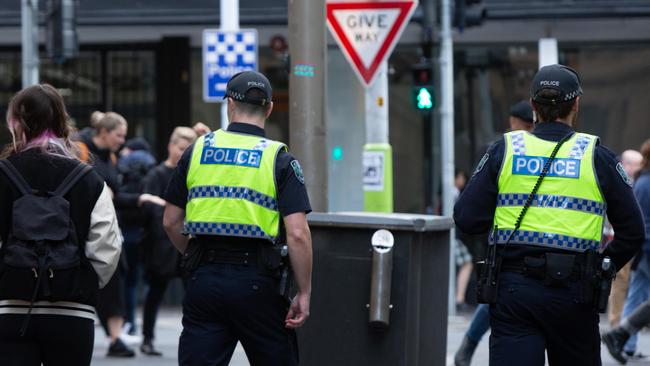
(160, 257)
(108, 136)
(133, 165)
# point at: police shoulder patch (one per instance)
(481, 163)
(297, 170)
(621, 171)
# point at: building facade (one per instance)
(143, 59)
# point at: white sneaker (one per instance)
(130, 339)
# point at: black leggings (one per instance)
(157, 287)
(111, 299)
(53, 340)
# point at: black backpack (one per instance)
(42, 245)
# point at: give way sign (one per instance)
(367, 31)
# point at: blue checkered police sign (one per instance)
(226, 53)
(533, 165)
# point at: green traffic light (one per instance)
(425, 100)
(337, 153)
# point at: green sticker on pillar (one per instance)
(297, 170)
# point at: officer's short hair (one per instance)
(252, 109)
(552, 112)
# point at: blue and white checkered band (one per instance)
(209, 139)
(579, 147)
(547, 240)
(518, 144)
(552, 201)
(261, 145)
(211, 228)
(233, 192)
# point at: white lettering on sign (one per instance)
(533, 165)
(366, 29)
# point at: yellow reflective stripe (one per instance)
(552, 201)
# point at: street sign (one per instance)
(226, 53)
(367, 31)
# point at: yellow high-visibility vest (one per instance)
(568, 210)
(231, 186)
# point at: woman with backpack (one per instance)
(60, 238)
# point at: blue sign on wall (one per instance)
(226, 53)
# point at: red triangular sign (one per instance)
(367, 31)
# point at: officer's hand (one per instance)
(298, 312)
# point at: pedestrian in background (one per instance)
(632, 162)
(547, 219)
(133, 165)
(617, 337)
(520, 119)
(462, 255)
(159, 255)
(639, 288)
(108, 136)
(62, 331)
(241, 196)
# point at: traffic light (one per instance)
(469, 13)
(424, 99)
(423, 95)
(61, 30)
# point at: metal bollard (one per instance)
(382, 268)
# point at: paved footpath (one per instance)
(169, 327)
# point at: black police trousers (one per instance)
(226, 303)
(531, 318)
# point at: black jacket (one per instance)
(45, 172)
(159, 256)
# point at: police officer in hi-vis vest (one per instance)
(543, 196)
(236, 209)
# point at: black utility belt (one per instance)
(552, 268)
(225, 256)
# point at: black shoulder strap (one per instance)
(15, 177)
(532, 194)
(77, 173)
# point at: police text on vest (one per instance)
(227, 156)
(533, 165)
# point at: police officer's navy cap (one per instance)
(239, 85)
(558, 77)
(523, 111)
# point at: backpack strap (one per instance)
(77, 173)
(15, 177)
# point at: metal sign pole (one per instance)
(377, 152)
(229, 21)
(447, 137)
(29, 32)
